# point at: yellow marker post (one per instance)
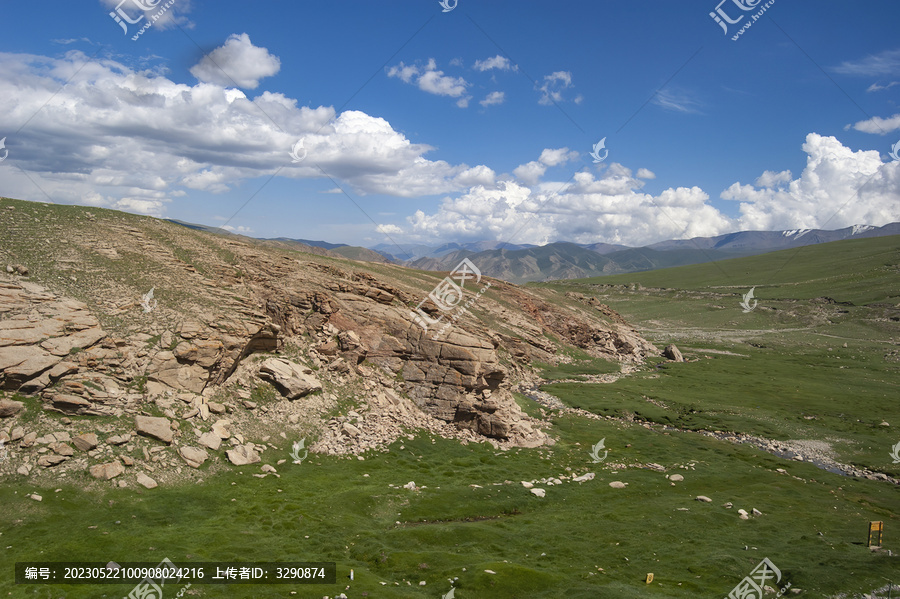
(875, 533)
(649, 578)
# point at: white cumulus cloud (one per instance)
(553, 86)
(493, 98)
(498, 62)
(237, 63)
(429, 79)
(878, 125)
(137, 140)
(838, 188)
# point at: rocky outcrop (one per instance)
(336, 325)
(38, 330)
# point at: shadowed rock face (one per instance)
(211, 317)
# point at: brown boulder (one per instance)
(193, 456)
(107, 471)
(242, 455)
(292, 380)
(673, 353)
(86, 442)
(49, 461)
(157, 428)
(9, 408)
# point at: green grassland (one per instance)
(765, 372)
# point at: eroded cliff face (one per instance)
(345, 325)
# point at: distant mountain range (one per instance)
(407, 253)
(562, 260)
(524, 263)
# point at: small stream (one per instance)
(552, 402)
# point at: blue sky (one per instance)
(424, 126)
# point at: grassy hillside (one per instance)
(856, 270)
(796, 368)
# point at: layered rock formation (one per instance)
(334, 325)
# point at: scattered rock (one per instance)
(86, 442)
(119, 439)
(24, 470)
(17, 433)
(216, 408)
(673, 353)
(221, 428)
(107, 471)
(28, 440)
(742, 514)
(617, 484)
(584, 477)
(267, 468)
(756, 512)
(62, 449)
(350, 430)
(49, 461)
(703, 498)
(210, 440)
(527, 484)
(194, 456)
(10, 408)
(242, 455)
(155, 427)
(146, 481)
(36, 497)
(411, 485)
(538, 492)
(292, 380)
(676, 478)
